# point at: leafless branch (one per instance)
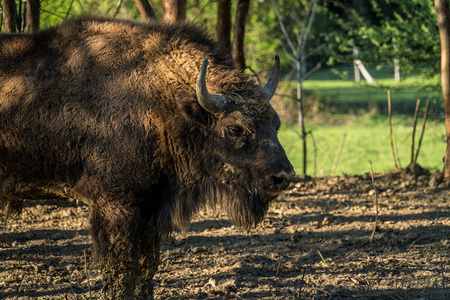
(396, 151)
(338, 155)
(201, 11)
(286, 35)
(316, 67)
(70, 8)
(302, 30)
(254, 74)
(391, 133)
(116, 11)
(314, 151)
(290, 57)
(296, 132)
(416, 114)
(52, 13)
(308, 29)
(425, 114)
(313, 51)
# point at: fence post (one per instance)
(355, 66)
(396, 70)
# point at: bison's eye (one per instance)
(236, 131)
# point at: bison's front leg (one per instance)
(125, 282)
(127, 248)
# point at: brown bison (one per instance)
(126, 117)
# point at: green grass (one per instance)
(359, 110)
(367, 140)
(342, 96)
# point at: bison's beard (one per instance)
(246, 206)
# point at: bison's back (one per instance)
(75, 95)
(91, 96)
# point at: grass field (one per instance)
(343, 96)
(359, 111)
(365, 140)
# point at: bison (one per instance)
(144, 122)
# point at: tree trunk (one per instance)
(239, 33)
(33, 11)
(174, 10)
(223, 28)
(9, 15)
(145, 9)
(443, 16)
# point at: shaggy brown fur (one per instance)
(107, 109)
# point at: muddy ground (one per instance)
(315, 243)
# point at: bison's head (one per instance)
(243, 165)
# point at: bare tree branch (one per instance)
(316, 67)
(290, 57)
(308, 29)
(256, 74)
(302, 30)
(68, 11)
(425, 114)
(116, 11)
(53, 13)
(313, 51)
(201, 11)
(288, 39)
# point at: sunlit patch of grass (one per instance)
(367, 139)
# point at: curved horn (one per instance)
(211, 102)
(272, 84)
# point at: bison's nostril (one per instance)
(278, 181)
(281, 181)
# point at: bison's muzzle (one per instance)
(282, 180)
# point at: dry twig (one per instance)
(322, 164)
(338, 155)
(376, 204)
(391, 133)
(314, 151)
(256, 75)
(396, 151)
(425, 114)
(323, 259)
(416, 114)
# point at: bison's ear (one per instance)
(188, 106)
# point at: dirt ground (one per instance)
(315, 243)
